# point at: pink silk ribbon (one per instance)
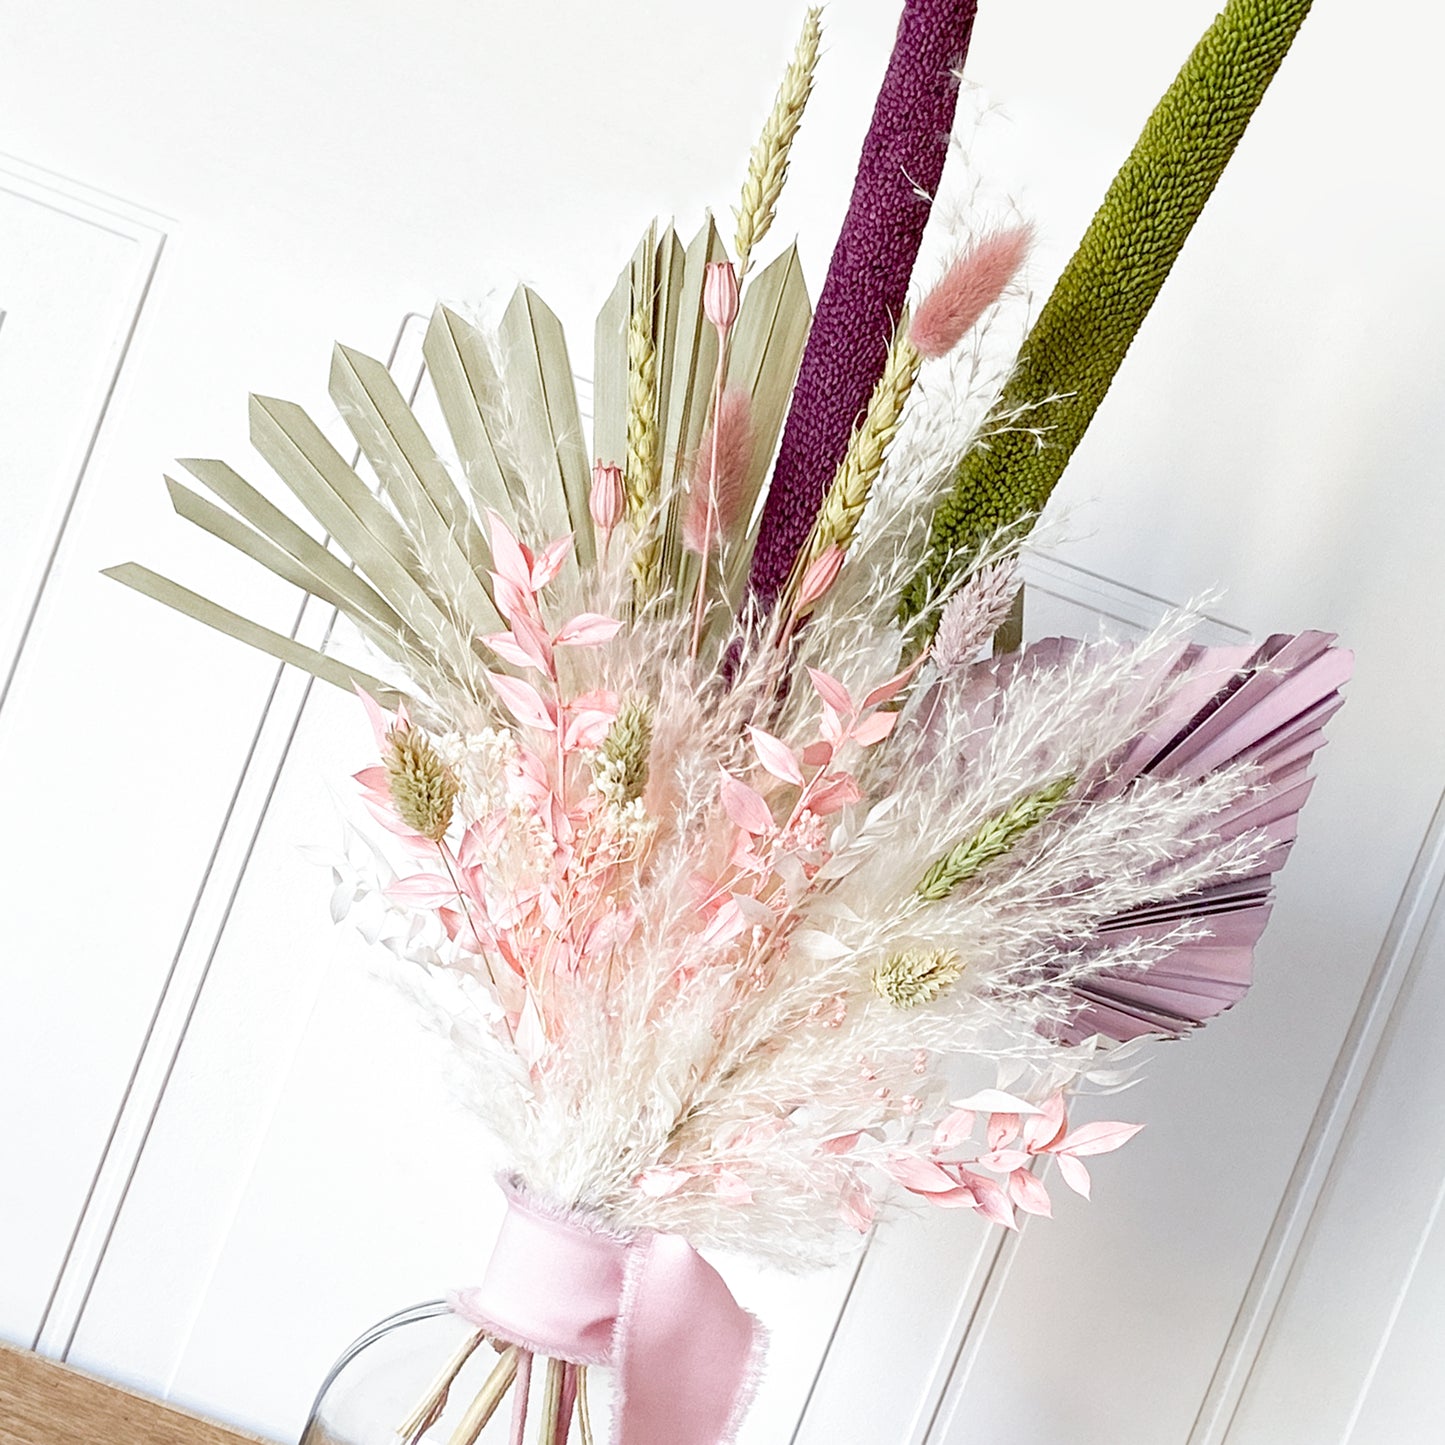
(685, 1352)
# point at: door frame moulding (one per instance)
(147, 231)
(1319, 1167)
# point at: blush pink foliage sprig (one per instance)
(951, 1172)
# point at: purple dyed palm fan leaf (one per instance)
(1264, 706)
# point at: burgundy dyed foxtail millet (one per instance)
(867, 282)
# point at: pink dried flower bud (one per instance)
(821, 574)
(605, 499)
(720, 297)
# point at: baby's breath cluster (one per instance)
(479, 761)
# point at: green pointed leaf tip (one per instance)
(1082, 334)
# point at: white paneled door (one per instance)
(225, 1144)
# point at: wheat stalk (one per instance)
(643, 472)
(843, 506)
(768, 164)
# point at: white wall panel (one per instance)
(76, 267)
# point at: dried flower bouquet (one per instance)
(716, 833)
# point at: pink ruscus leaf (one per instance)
(746, 807)
(532, 638)
(1044, 1129)
(523, 701)
(776, 756)
(1003, 1129)
(549, 564)
(832, 692)
(887, 691)
(920, 1176)
(954, 1129)
(1029, 1194)
(1074, 1174)
(588, 629)
(510, 559)
(993, 1200)
(818, 754)
(874, 728)
(508, 649)
(820, 574)
(835, 794)
(1099, 1138)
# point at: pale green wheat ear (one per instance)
(995, 838)
(1106, 290)
(768, 164)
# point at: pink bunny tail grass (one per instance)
(734, 451)
(966, 290)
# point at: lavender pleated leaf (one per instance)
(1270, 712)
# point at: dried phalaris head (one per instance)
(916, 976)
(621, 765)
(423, 788)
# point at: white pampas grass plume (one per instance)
(966, 290)
(730, 439)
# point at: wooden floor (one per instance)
(42, 1403)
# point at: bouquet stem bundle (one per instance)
(561, 1401)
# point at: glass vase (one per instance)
(427, 1376)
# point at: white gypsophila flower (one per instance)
(479, 760)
